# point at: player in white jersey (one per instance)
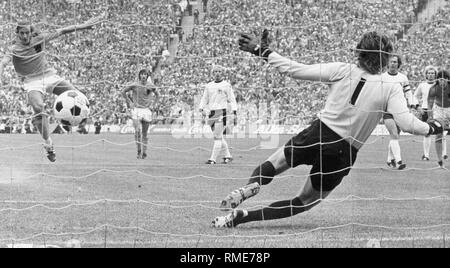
(143, 95)
(28, 56)
(439, 108)
(357, 100)
(421, 99)
(394, 159)
(215, 99)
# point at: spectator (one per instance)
(98, 126)
(196, 17)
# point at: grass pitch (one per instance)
(101, 195)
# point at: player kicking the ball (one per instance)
(29, 59)
(357, 100)
(215, 98)
(143, 95)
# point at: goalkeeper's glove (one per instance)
(251, 44)
(435, 127)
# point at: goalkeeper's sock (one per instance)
(263, 174)
(216, 150)
(277, 210)
(396, 151)
(226, 149)
(426, 146)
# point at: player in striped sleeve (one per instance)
(439, 108)
(143, 96)
(358, 98)
(393, 75)
(28, 56)
(421, 98)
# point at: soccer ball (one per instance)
(71, 108)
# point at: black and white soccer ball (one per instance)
(71, 108)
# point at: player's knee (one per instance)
(38, 118)
(137, 134)
(38, 107)
(263, 174)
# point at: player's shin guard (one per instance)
(263, 174)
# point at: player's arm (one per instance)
(328, 72)
(89, 24)
(408, 93)
(126, 96)
(418, 97)
(431, 99)
(203, 101)
(232, 101)
(406, 120)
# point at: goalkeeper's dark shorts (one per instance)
(331, 156)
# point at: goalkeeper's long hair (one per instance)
(373, 52)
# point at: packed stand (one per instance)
(102, 61)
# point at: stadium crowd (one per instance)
(135, 33)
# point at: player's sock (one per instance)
(277, 210)
(216, 150)
(137, 138)
(144, 146)
(444, 144)
(226, 149)
(396, 151)
(263, 174)
(426, 146)
(49, 142)
(390, 155)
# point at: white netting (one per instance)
(99, 194)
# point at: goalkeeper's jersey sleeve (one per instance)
(356, 100)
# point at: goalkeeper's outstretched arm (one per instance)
(315, 72)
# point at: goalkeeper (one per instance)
(357, 100)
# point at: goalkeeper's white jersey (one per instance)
(421, 94)
(357, 99)
(217, 96)
(403, 81)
